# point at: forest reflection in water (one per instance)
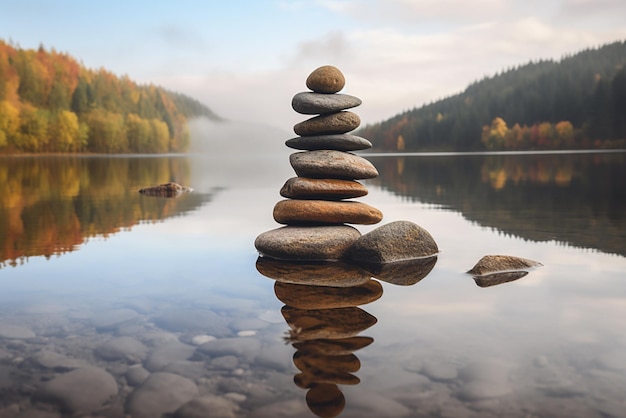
(51, 205)
(573, 198)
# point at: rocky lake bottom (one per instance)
(169, 313)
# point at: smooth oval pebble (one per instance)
(339, 142)
(308, 103)
(331, 164)
(299, 212)
(326, 297)
(325, 189)
(307, 243)
(500, 263)
(326, 79)
(332, 123)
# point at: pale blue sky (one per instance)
(246, 59)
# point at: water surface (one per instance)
(86, 260)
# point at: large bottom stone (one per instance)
(307, 243)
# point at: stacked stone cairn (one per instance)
(318, 205)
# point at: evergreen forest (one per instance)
(578, 102)
(49, 102)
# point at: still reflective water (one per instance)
(114, 303)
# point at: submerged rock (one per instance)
(501, 263)
(82, 391)
(165, 190)
(395, 241)
(159, 394)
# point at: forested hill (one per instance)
(49, 102)
(577, 102)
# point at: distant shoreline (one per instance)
(455, 153)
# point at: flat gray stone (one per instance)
(500, 263)
(51, 360)
(308, 103)
(393, 242)
(123, 348)
(338, 142)
(332, 164)
(190, 369)
(81, 391)
(15, 332)
(328, 124)
(307, 243)
(161, 393)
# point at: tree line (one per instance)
(576, 102)
(49, 102)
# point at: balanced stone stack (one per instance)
(318, 205)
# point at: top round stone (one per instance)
(326, 79)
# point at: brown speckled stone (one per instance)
(325, 189)
(326, 79)
(332, 123)
(300, 212)
(497, 263)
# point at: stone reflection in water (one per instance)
(324, 320)
(498, 278)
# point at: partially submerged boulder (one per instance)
(395, 241)
(493, 279)
(165, 190)
(501, 263)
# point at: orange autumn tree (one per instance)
(51, 103)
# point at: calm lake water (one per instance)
(165, 296)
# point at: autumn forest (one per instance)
(49, 102)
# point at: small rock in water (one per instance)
(51, 360)
(332, 164)
(165, 190)
(82, 391)
(326, 79)
(300, 212)
(15, 332)
(395, 241)
(307, 243)
(338, 142)
(208, 406)
(325, 189)
(499, 263)
(123, 348)
(308, 103)
(328, 124)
